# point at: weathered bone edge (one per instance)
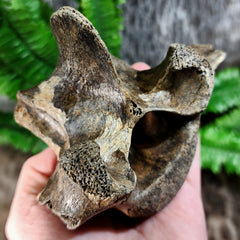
(124, 138)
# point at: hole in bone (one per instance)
(156, 140)
(155, 127)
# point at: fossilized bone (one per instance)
(124, 138)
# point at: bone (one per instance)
(124, 138)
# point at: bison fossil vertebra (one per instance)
(89, 109)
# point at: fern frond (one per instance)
(26, 54)
(46, 12)
(25, 18)
(226, 91)
(17, 60)
(221, 143)
(10, 83)
(11, 133)
(106, 18)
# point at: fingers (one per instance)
(140, 66)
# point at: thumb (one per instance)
(34, 175)
(36, 171)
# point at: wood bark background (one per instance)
(150, 26)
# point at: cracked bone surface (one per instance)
(124, 138)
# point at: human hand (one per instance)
(182, 218)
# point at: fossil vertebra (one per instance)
(124, 138)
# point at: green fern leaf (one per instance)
(25, 18)
(226, 91)
(46, 12)
(221, 143)
(9, 83)
(27, 55)
(106, 18)
(17, 59)
(13, 134)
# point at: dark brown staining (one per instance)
(85, 126)
(65, 96)
(30, 93)
(225, 232)
(84, 165)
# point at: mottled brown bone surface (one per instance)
(124, 138)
